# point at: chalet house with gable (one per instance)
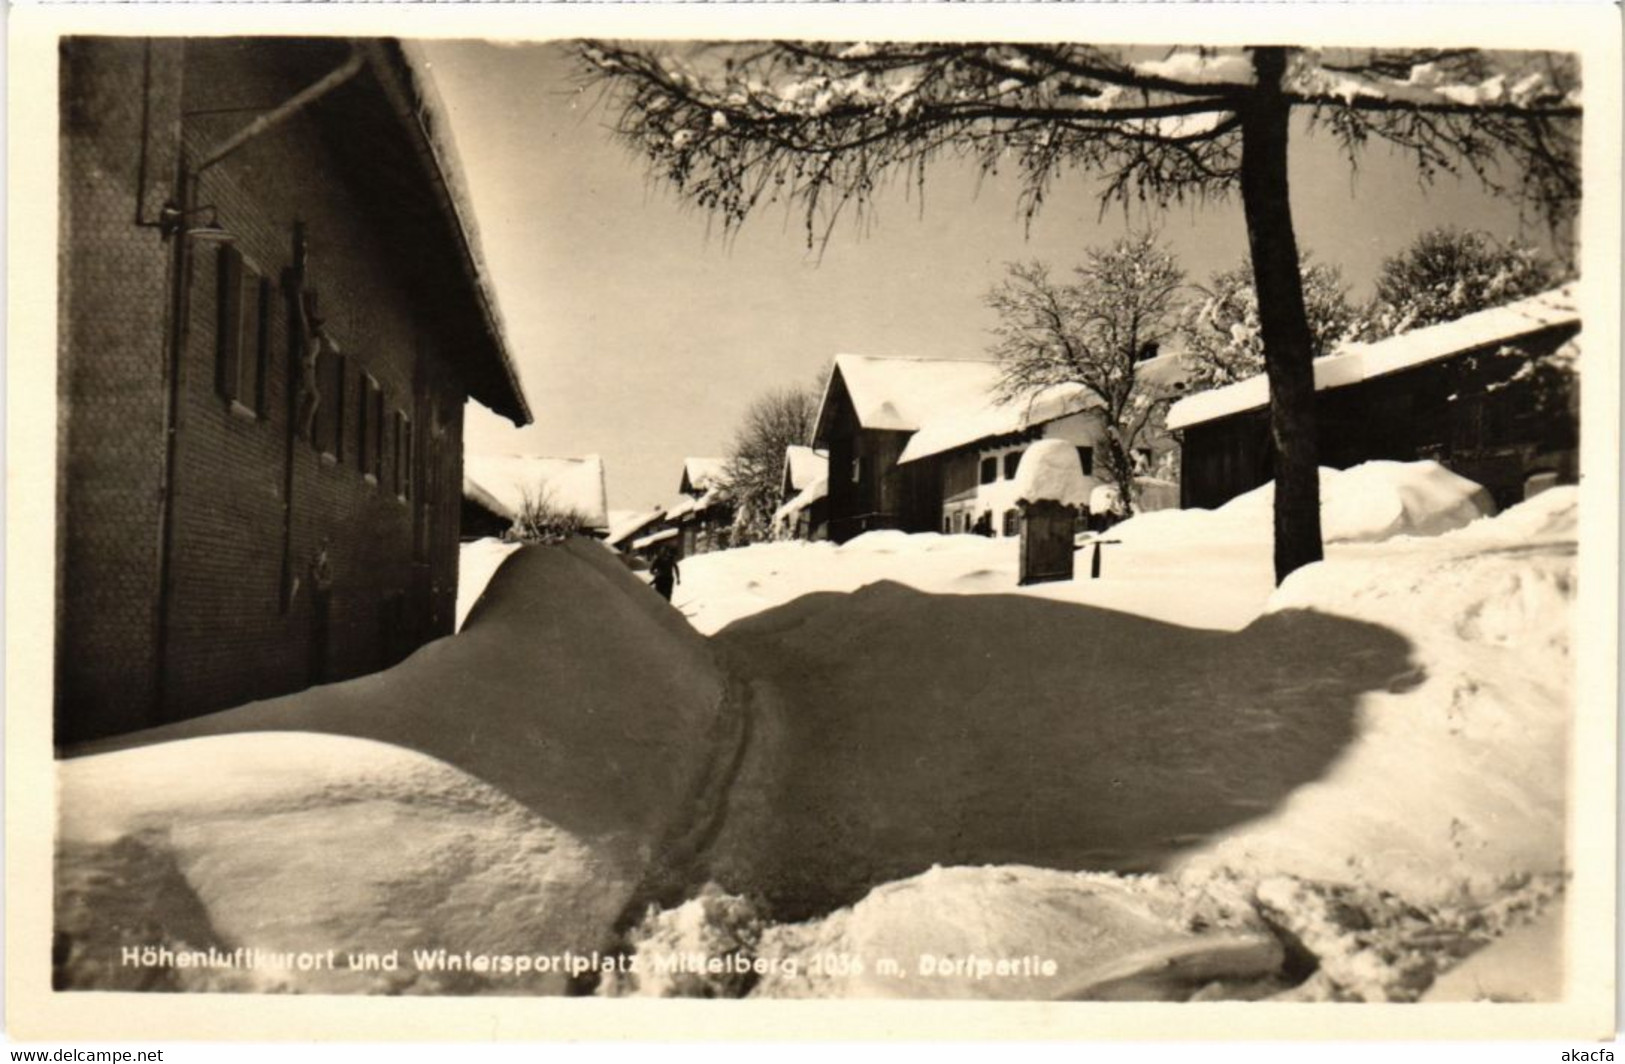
(272, 312)
(1493, 396)
(704, 520)
(497, 488)
(803, 512)
(925, 445)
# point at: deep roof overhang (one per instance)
(381, 128)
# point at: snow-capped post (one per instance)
(1049, 487)
(822, 124)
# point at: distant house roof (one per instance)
(1358, 362)
(702, 474)
(654, 537)
(995, 418)
(802, 466)
(903, 394)
(499, 483)
(696, 505)
(953, 403)
(627, 527)
(818, 489)
(406, 88)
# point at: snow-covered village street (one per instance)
(485, 566)
(1254, 749)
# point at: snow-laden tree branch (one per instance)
(820, 127)
(1223, 340)
(1095, 332)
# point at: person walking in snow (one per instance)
(666, 573)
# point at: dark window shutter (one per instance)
(228, 326)
(376, 427)
(262, 346)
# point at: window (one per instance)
(403, 456)
(947, 523)
(242, 336)
(1086, 458)
(370, 427)
(1012, 522)
(1012, 460)
(857, 470)
(990, 470)
(330, 376)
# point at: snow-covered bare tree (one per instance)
(1446, 273)
(822, 125)
(1223, 340)
(1122, 305)
(755, 465)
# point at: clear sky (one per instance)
(642, 334)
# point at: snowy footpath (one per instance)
(883, 769)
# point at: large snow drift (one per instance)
(1398, 715)
(1366, 504)
(505, 789)
(1394, 719)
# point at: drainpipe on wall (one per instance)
(179, 305)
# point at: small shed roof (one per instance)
(499, 483)
(1357, 362)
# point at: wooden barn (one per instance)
(1493, 396)
(272, 312)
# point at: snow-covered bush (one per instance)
(543, 520)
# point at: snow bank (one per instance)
(1397, 714)
(1369, 503)
(1059, 935)
(1456, 777)
(271, 842)
(524, 774)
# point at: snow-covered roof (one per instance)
(498, 387)
(695, 504)
(818, 489)
(802, 466)
(703, 474)
(621, 527)
(957, 428)
(499, 483)
(899, 393)
(1357, 362)
(653, 538)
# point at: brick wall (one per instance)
(253, 503)
(119, 100)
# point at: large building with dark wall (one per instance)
(1493, 396)
(271, 314)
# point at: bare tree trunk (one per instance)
(1283, 319)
